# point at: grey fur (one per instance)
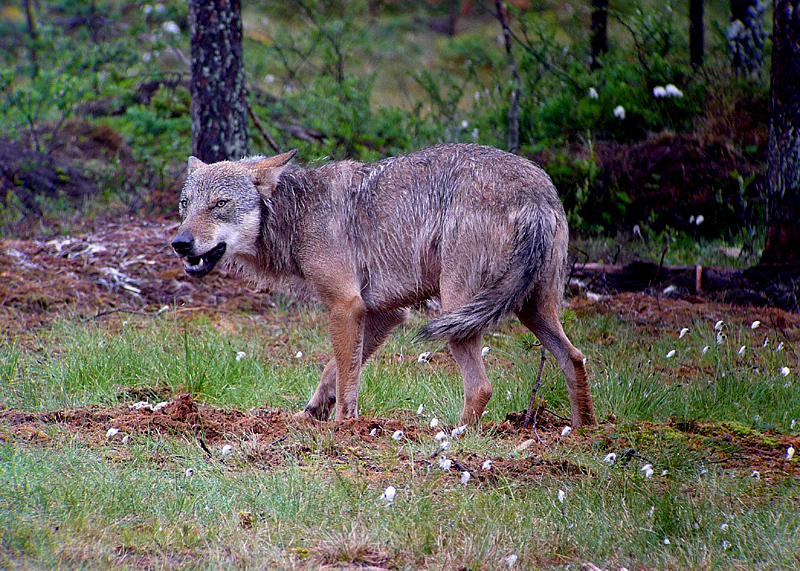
(479, 227)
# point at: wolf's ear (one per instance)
(195, 163)
(267, 172)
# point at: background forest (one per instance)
(645, 147)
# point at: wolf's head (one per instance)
(220, 209)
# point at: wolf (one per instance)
(479, 228)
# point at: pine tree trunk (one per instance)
(696, 32)
(783, 183)
(219, 104)
(599, 32)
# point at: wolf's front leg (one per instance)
(347, 320)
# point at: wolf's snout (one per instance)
(183, 244)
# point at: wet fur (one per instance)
(482, 229)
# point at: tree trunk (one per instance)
(599, 32)
(696, 31)
(746, 36)
(783, 170)
(219, 105)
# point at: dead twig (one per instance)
(538, 384)
(261, 129)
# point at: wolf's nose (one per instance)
(183, 244)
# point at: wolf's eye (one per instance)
(183, 203)
(220, 203)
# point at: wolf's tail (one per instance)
(533, 251)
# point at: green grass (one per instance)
(70, 501)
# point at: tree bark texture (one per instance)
(599, 32)
(696, 33)
(783, 169)
(746, 36)
(219, 105)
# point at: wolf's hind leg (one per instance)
(477, 388)
(377, 327)
(543, 319)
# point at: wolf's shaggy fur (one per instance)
(481, 229)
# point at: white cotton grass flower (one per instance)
(785, 371)
(189, 472)
(298, 355)
(756, 475)
(227, 449)
(726, 544)
(619, 112)
(789, 452)
(669, 289)
(420, 408)
(719, 325)
(566, 431)
(720, 338)
(171, 27)
(388, 494)
(755, 325)
(766, 342)
(397, 435)
(562, 495)
(648, 470)
(112, 432)
(444, 444)
(485, 351)
(671, 354)
(445, 463)
(723, 527)
(659, 91)
(610, 458)
(424, 357)
(465, 476)
(741, 350)
(458, 431)
(672, 91)
(240, 355)
(779, 347)
(593, 93)
(651, 511)
(440, 436)
(487, 465)
(666, 541)
(434, 422)
(510, 560)
(705, 349)
(373, 432)
(683, 333)
(699, 220)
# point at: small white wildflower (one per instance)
(397, 435)
(240, 355)
(456, 432)
(464, 124)
(566, 431)
(766, 342)
(420, 408)
(189, 472)
(474, 133)
(373, 432)
(666, 541)
(791, 424)
(720, 338)
(440, 436)
(148, 9)
(669, 289)
(647, 468)
(723, 527)
(648, 473)
(785, 371)
(160, 8)
(610, 458)
(171, 27)
(703, 472)
(126, 438)
(465, 476)
(699, 220)
(726, 544)
(298, 355)
(227, 449)
(683, 333)
(487, 465)
(741, 350)
(389, 494)
(755, 325)
(659, 91)
(672, 91)
(671, 354)
(485, 351)
(444, 444)
(719, 325)
(755, 475)
(269, 78)
(664, 472)
(779, 347)
(789, 452)
(510, 560)
(112, 432)
(434, 422)
(619, 112)
(593, 93)
(423, 357)
(445, 463)
(651, 511)
(562, 495)
(705, 349)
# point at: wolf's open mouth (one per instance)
(198, 266)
